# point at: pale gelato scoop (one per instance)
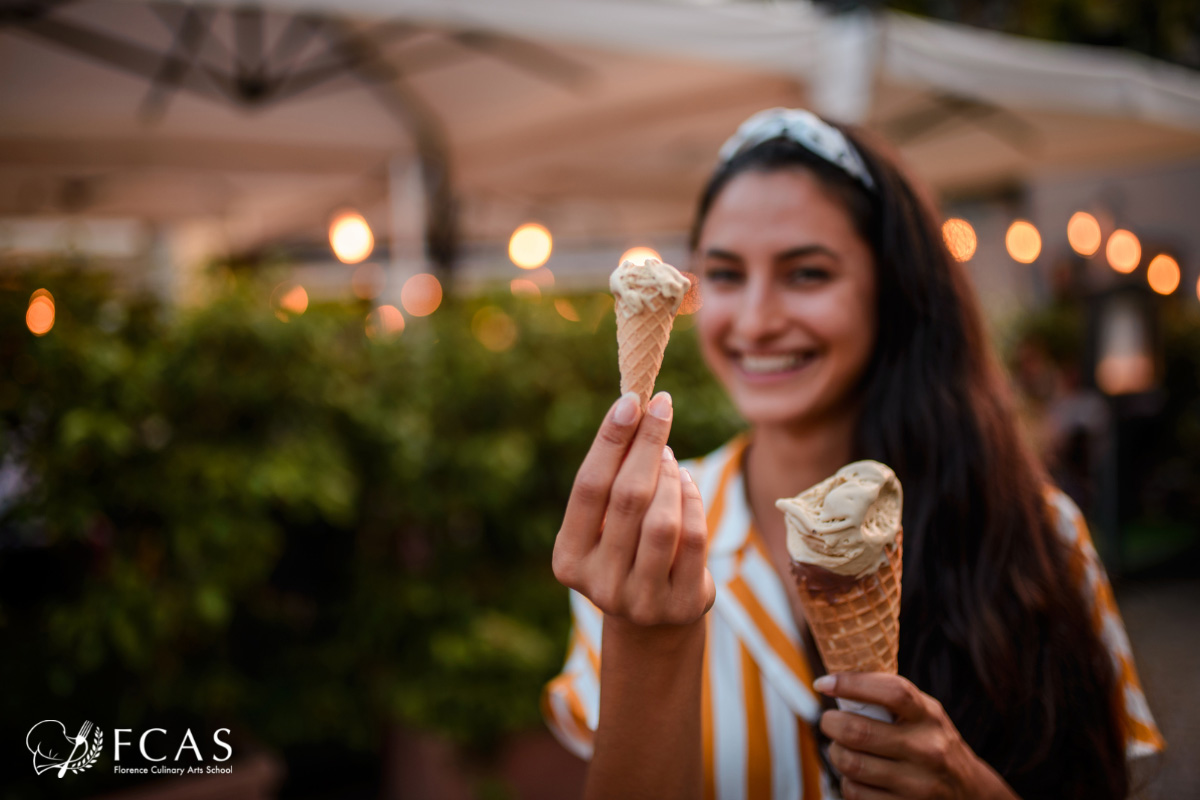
(845, 522)
(637, 287)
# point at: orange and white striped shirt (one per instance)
(757, 704)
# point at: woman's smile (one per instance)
(766, 367)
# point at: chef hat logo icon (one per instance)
(54, 749)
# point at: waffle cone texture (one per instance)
(857, 626)
(641, 342)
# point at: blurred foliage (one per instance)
(1157, 434)
(1169, 499)
(1165, 29)
(286, 527)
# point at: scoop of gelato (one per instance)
(637, 287)
(845, 522)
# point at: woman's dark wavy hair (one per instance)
(991, 624)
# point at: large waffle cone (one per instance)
(641, 342)
(855, 623)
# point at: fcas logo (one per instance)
(54, 749)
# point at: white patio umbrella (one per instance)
(247, 125)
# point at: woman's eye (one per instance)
(807, 275)
(725, 275)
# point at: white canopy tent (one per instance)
(838, 54)
(234, 127)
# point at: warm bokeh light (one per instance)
(385, 322)
(1124, 251)
(1023, 241)
(368, 281)
(294, 300)
(543, 277)
(691, 301)
(524, 288)
(39, 316)
(1083, 232)
(421, 294)
(351, 238)
(960, 238)
(1126, 373)
(530, 246)
(494, 329)
(638, 255)
(566, 310)
(1163, 274)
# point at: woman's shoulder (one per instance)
(1086, 571)
(1069, 522)
(1084, 566)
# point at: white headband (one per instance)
(805, 129)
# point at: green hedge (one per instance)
(304, 534)
(289, 528)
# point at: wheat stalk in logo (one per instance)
(48, 739)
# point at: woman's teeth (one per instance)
(763, 365)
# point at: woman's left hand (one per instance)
(920, 755)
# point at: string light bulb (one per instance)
(1163, 274)
(639, 255)
(1124, 251)
(960, 238)
(1023, 241)
(39, 316)
(1083, 233)
(351, 238)
(530, 246)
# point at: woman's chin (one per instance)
(796, 409)
(785, 412)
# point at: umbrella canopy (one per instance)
(600, 117)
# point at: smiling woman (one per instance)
(843, 329)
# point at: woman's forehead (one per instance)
(781, 207)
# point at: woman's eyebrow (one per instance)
(805, 251)
(795, 252)
(726, 255)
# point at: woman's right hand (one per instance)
(634, 538)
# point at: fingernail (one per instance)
(825, 684)
(660, 406)
(627, 409)
(687, 476)
(667, 455)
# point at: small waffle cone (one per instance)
(641, 342)
(856, 626)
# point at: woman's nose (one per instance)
(760, 315)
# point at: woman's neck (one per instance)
(784, 461)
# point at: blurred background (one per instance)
(304, 327)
